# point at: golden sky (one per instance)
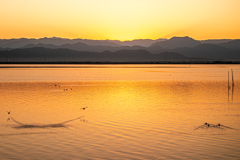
(120, 19)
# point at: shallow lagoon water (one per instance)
(133, 112)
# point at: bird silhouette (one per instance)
(84, 108)
(8, 112)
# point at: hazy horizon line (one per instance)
(118, 39)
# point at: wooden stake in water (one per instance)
(228, 87)
(232, 79)
(228, 81)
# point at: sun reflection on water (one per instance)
(128, 117)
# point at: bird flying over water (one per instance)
(84, 108)
(8, 112)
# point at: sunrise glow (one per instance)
(120, 19)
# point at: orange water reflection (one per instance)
(142, 119)
(53, 73)
(135, 100)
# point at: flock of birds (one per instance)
(65, 89)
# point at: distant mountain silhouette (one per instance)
(156, 49)
(39, 54)
(172, 56)
(176, 48)
(51, 46)
(84, 47)
(234, 44)
(176, 42)
(214, 41)
(139, 42)
(19, 43)
(96, 42)
(209, 51)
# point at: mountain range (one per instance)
(82, 50)
(40, 54)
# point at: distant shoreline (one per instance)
(113, 63)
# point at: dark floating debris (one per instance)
(84, 120)
(62, 124)
(219, 126)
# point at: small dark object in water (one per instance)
(8, 112)
(206, 124)
(219, 126)
(84, 108)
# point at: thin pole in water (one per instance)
(228, 87)
(228, 81)
(232, 79)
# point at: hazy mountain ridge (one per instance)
(114, 45)
(139, 42)
(209, 51)
(176, 42)
(19, 43)
(39, 54)
(183, 46)
(234, 44)
(215, 41)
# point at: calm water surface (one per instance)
(133, 112)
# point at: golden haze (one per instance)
(120, 19)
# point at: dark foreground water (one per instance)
(133, 112)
